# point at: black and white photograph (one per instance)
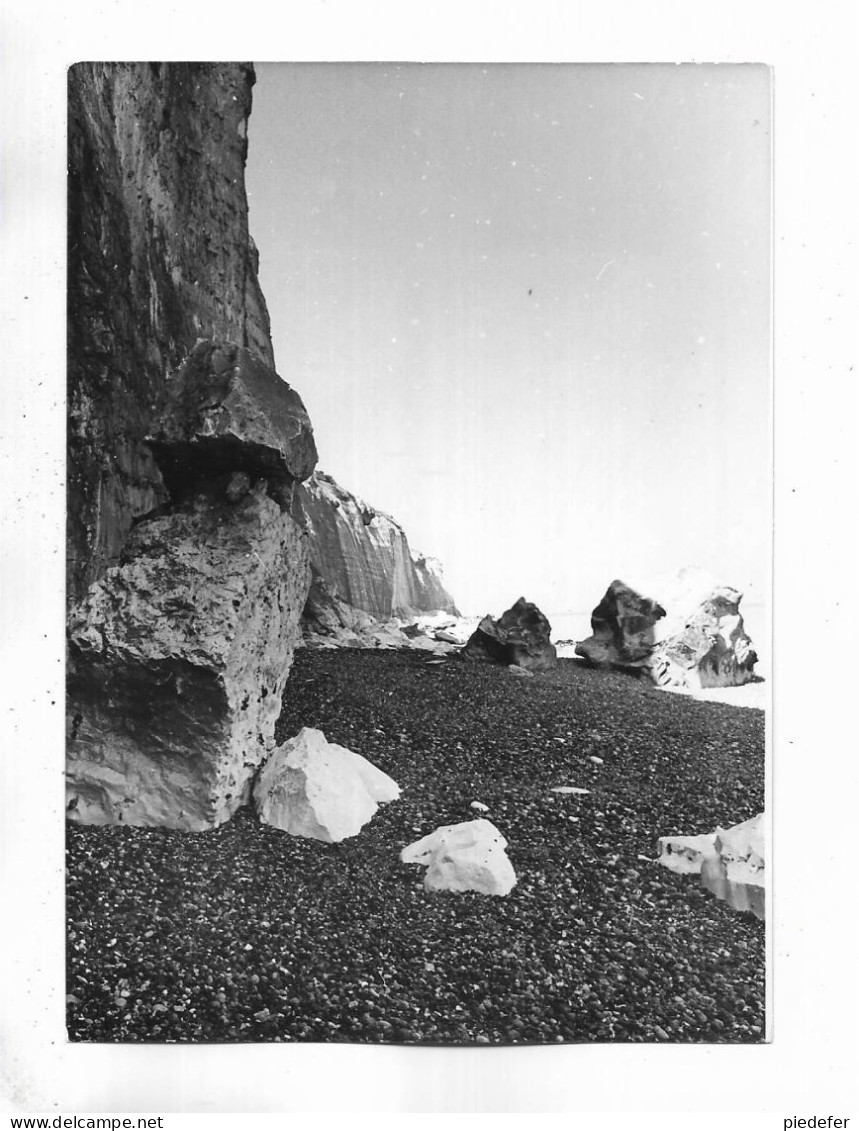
(418, 552)
(428, 459)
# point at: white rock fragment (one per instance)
(735, 872)
(469, 856)
(314, 788)
(568, 789)
(480, 807)
(685, 854)
(731, 863)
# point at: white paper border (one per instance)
(809, 1067)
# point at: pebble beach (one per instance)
(247, 934)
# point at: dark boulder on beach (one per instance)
(520, 637)
(623, 627)
(692, 637)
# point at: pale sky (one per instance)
(527, 308)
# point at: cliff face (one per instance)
(364, 556)
(159, 256)
(187, 573)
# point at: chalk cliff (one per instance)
(159, 256)
(186, 572)
(364, 556)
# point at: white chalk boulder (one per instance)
(314, 788)
(736, 869)
(731, 863)
(685, 854)
(469, 856)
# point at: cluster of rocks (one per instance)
(201, 546)
(314, 788)
(596, 942)
(689, 636)
(519, 639)
(327, 621)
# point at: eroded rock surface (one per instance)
(314, 788)
(623, 626)
(159, 256)
(692, 637)
(520, 637)
(469, 856)
(685, 854)
(178, 659)
(712, 649)
(225, 410)
(364, 556)
(181, 627)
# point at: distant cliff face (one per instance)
(364, 556)
(159, 256)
